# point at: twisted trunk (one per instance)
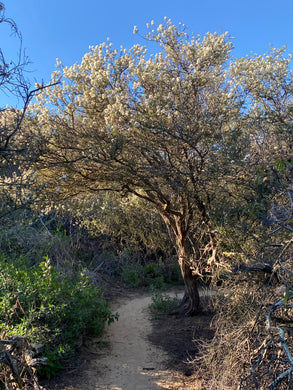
(178, 225)
(190, 304)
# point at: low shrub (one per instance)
(49, 307)
(132, 274)
(172, 272)
(136, 275)
(25, 232)
(162, 303)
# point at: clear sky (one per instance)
(65, 29)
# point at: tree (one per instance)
(15, 154)
(266, 84)
(258, 349)
(12, 82)
(122, 223)
(162, 127)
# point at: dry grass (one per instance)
(245, 352)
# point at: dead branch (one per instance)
(273, 362)
(18, 363)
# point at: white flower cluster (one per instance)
(185, 92)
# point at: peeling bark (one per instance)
(178, 228)
(191, 301)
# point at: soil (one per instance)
(138, 352)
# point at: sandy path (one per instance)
(131, 362)
(125, 359)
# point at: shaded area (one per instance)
(178, 336)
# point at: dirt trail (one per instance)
(126, 359)
(131, 362)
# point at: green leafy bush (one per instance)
(137, 275)
(50, 307)
(133, 275)
(162, 303)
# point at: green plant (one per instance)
(132, 274)
(157, 283)
(162, 303)
(152, 270)
(172, 273)
(50, 307)
(153, 276)
(136, 275)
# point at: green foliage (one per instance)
(172, 273)
(150, 139)
(132, 274)
(162, 303)
(137, 275)
(49, 307)
(125, 223)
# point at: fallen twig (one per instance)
(18, 362)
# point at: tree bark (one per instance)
(190, 304)
(178, 231)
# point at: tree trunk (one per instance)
(191, 301)
(178, 232)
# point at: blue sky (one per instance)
(65, 29)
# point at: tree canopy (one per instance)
(175, 128)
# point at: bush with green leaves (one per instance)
(132, 274)
(49, 307)
(162, 303)
(135, 274)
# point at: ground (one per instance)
(139, 352)
(178, 336)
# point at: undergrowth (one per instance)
(245, 352)
(49, 307)
(162, 303)
(49, 299)
(152, 274)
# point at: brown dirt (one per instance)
(179, 337)
(138, 352)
